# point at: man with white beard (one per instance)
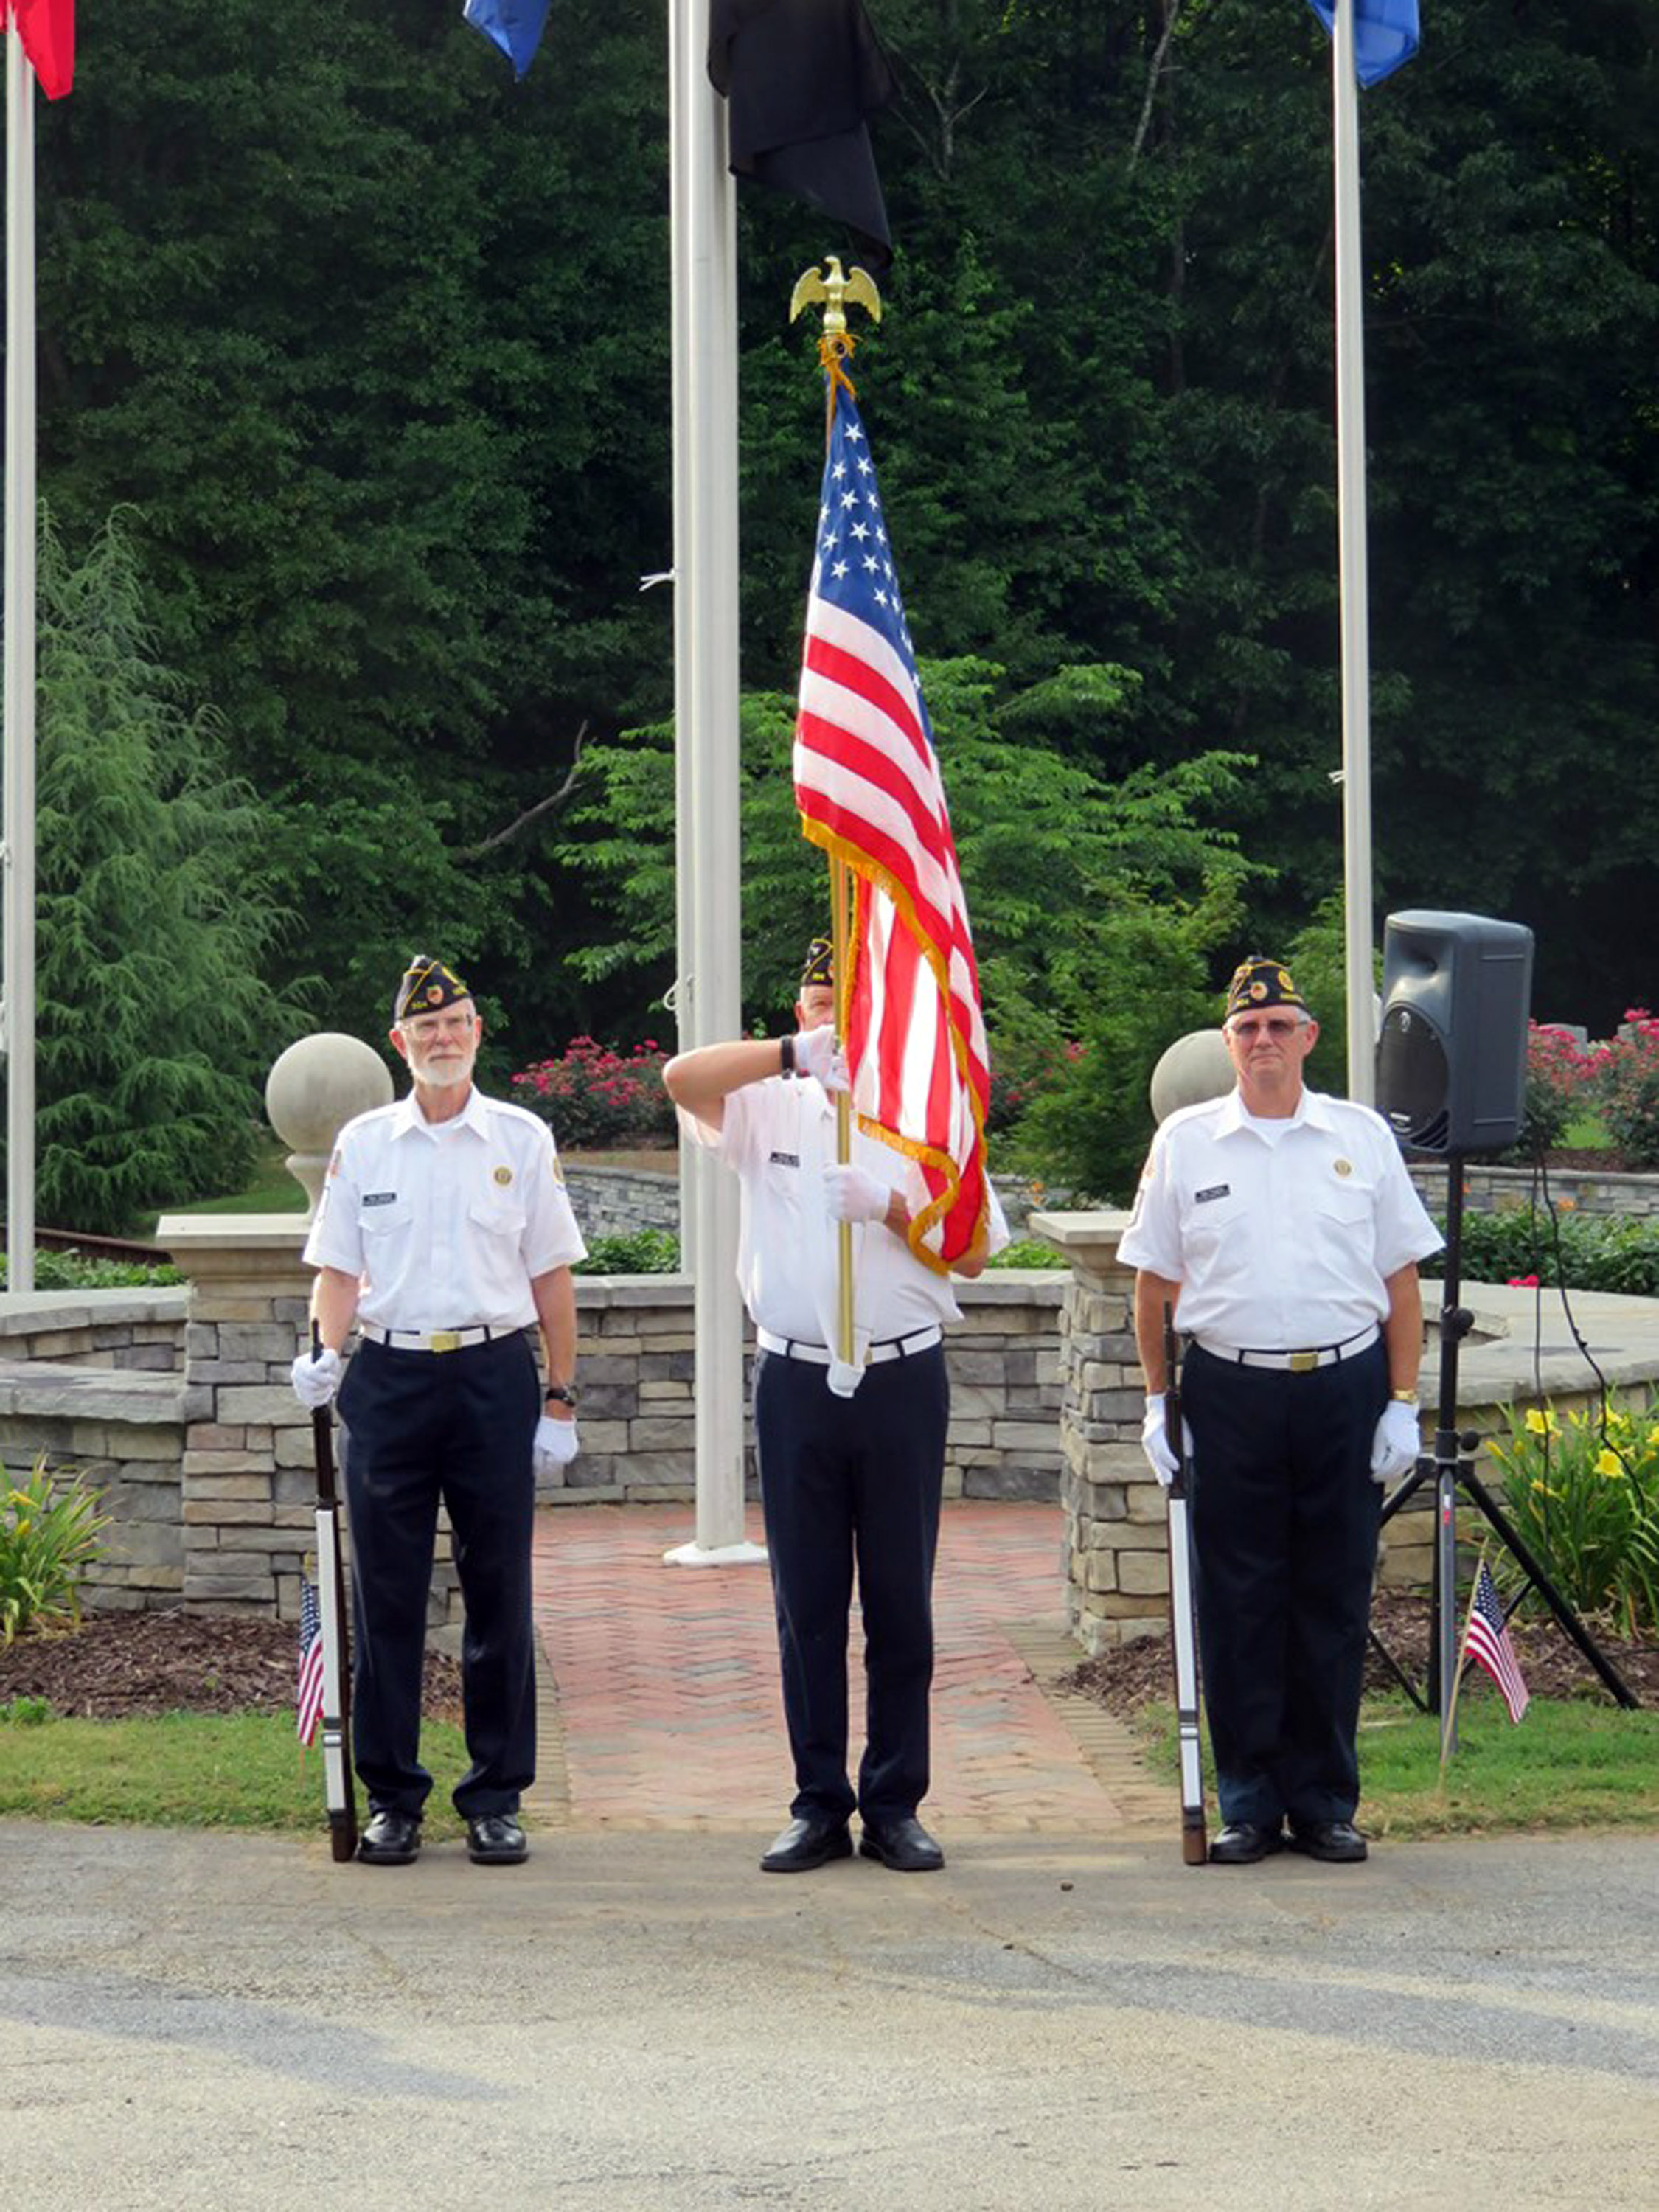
(444, 1233)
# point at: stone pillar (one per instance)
(247, 1487)
(1116, 1546)
(247, 1484)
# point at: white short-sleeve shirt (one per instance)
(446, 1224)
(1282, 1234)
(780, 1135)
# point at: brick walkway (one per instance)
(659, 1703)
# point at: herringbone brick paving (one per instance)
(659, 1700)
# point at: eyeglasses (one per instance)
(1279, 1027)
(425, 1027)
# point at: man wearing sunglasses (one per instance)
(1283, 1228)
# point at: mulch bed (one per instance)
(116, 1665)
(1126, 1680)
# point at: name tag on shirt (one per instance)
(1216, 1190)
(379, 1198)
(784, 1160)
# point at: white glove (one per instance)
(817, 1054)
(556, 1443)
(1397, 1445)
(851, 1195)
(1155, 1440)
(843, 1378)
(315, 1381)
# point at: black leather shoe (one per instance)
(390, 1838)
(495, 1839)
(904, 1844)
(1339, 1841)
(807, 1843)
(1242, 1843)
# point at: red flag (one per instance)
(47, 30)
(868, 786)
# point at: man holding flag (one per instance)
(850, 1429)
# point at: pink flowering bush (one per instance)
(594, 1096)
(1626, 1081)
(1558, 1080)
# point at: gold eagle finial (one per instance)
(837, 292)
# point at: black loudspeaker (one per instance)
(1451, 1057)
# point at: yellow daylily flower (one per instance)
(1541, 1424)
(1608, 1463)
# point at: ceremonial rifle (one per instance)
(338, 1793)
(1183, 1616)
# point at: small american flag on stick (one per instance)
(1486, 1641)
(868, 786)
(309, 1694)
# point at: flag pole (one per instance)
(1449, 1726)
(835, 350)
(19, 667)
(1351, 564)
(703, 222)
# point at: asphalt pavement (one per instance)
(644, 2020)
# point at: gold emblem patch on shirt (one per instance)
(503, 1175)
(1342, 1167)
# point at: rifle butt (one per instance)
(1194, 1843)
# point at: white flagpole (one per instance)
(20, 614)
(1354, 591)
(705, 340)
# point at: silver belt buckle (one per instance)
(445, 1339)
(1303, 1363)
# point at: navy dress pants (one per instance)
(458, 1427)
(1285, 1528)
(845, 1483)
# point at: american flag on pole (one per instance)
(1487, 1639)
(309, 1694)
(867, 783)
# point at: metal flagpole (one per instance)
(20, 615)
(679, 999)
(1351, 524)
(705, 705)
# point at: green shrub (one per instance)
(1030, 1252)
(1595, 1253)
(74, 1271)
(639, 1252)
(25, 1712)
(1584, 1493)
(49, 1536)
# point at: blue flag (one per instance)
(515, 26)
(1384, 34)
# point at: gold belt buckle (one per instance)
(1303, 1363)
(446, 1340)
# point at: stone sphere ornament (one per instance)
(313, 1091)
(1193, 1068)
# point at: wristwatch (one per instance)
(1403, 1397)
(563, 1393)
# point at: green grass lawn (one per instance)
(269, 1189)
(188, 1771)
(1568, 1764)
(1586, 1132)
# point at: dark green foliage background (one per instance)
(376, 341)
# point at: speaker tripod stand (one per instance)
(1452, 1469)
